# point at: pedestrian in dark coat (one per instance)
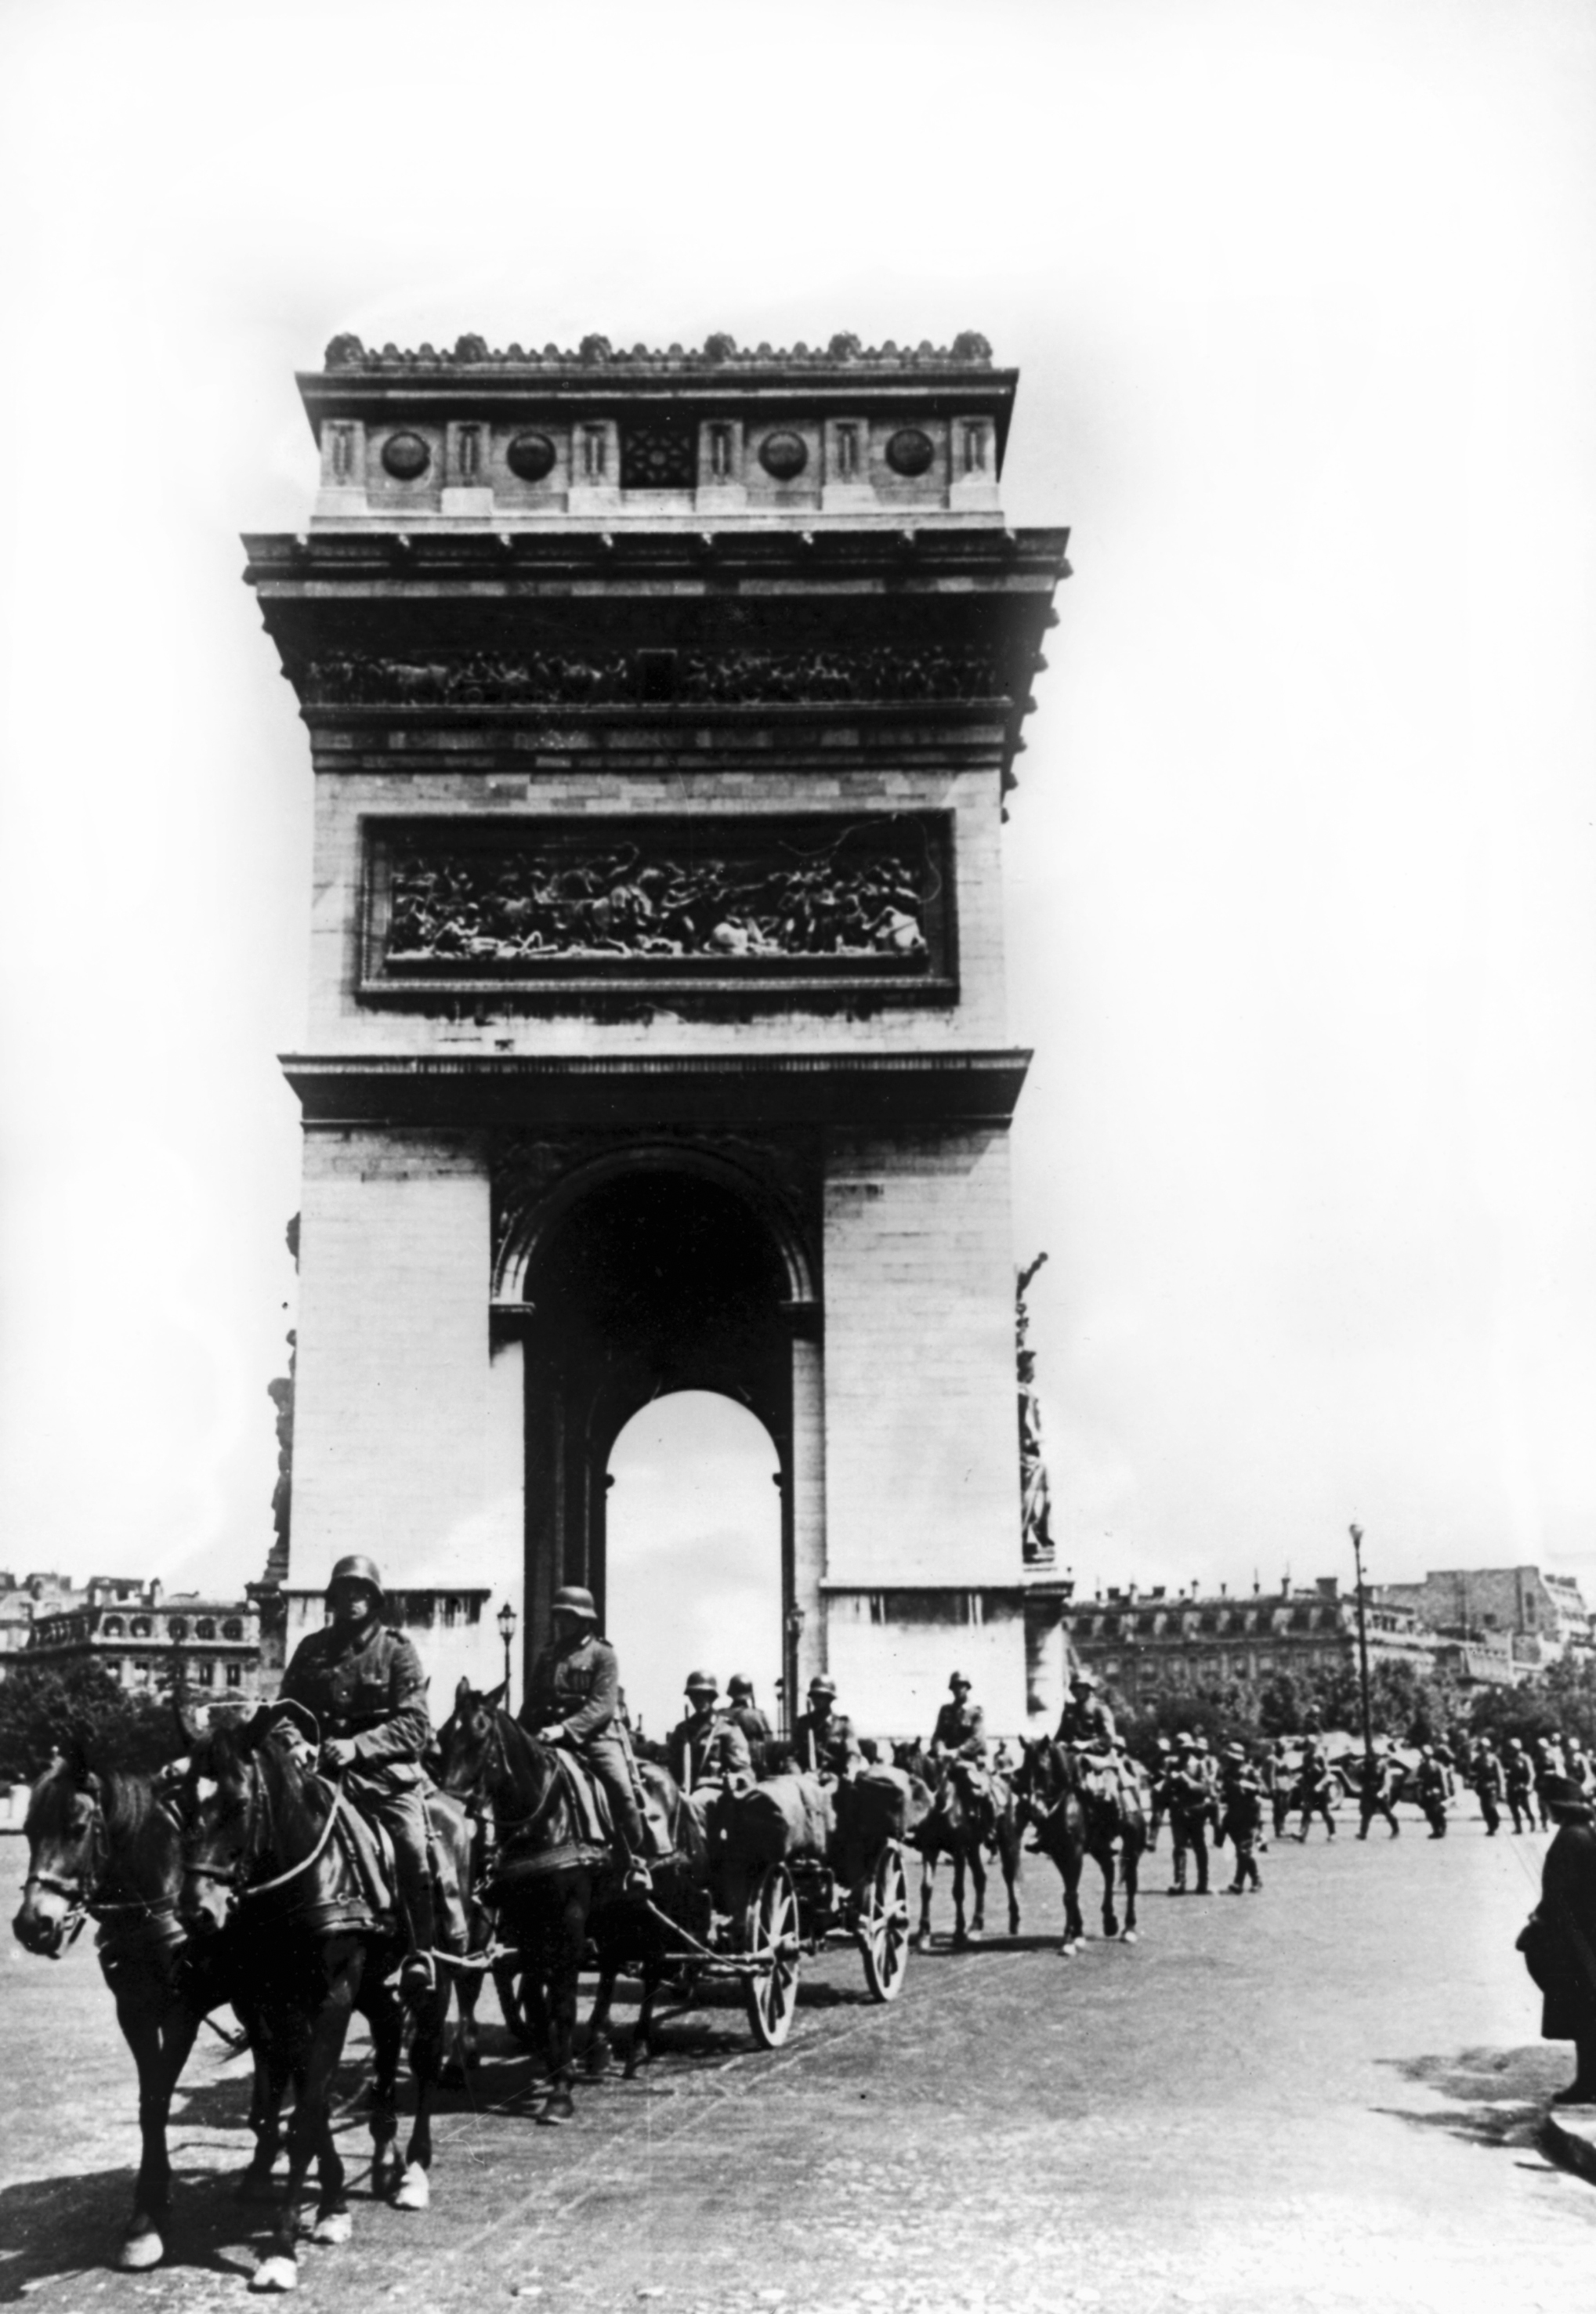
(1559, 1943)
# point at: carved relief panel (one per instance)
(632, 903)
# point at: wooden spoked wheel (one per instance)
(771, 1936)
(884, 1925)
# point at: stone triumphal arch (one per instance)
(662, 708)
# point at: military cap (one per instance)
(702, 1683)
(571, 1599)
(738, 1684)
(1234, 1751)
(1082, 1677)
(1202, 1742)
(956, 1680)
(356, 1568)
(821, 1686)
(1183, 1741)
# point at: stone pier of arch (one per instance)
(577, 1136)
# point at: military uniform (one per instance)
(754, 1728)
(960, 1733)
(708, 1747)
(1189, 1802)
(1316, 1794)
(827, 1746)
(1488, 1786)
(1432, 1785)
(366, 1685)
(1242, 1821)
(1520, 1786)
(1086, 1720)
(1382, 1778)
(576, 1686)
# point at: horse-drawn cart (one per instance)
(799, 1864)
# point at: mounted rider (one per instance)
(573, 1698)
(1087, 1725)
(367, 1691)
(823, 1740)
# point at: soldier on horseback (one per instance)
(366, 1688)
(1087, 1725)
(573, 1699)
(823, 1740)
(960, 1732)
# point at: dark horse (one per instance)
(552, 1888)
(108, 1848)
(972, 1810)
(1075, 1819)
(262, 1861)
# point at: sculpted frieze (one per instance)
(729, 678)
(746, 894)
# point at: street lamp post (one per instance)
(1357, 1536)
(505, 1620)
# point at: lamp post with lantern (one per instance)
(505, 1620)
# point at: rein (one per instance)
(231, 1876)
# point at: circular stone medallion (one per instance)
(531, 456)
(406, 456)
(910, 452)
(783, 455)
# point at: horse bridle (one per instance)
(82, 1902)
(233, 1875)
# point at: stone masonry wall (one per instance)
(922, 1466)
(391, 1449)
(340, 1022)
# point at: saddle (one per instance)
(595, 1826)
(367, 1852)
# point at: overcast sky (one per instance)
(1301, 868)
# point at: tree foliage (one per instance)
(45, 1710)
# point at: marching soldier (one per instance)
(1280, 1782)
(1243, 1818)
(823, 1741)
(1316, 1791)
(1431, 1790)
(1521, 1783)
(1382, 1779)
(959, 1733)
(572, 1697)
(1190, 1803)
(708, 1747)
(366, 1688)
(1163, 1760)
(1549, 1765)
(1487, 1781)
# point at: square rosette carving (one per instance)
(832, 902)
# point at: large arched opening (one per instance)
(666, 1277)
(692, 1551)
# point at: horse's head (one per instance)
(223, 1811)
(464, 1743)
(66, 1846)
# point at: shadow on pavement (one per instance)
(1499, 2097)
(59, 2226)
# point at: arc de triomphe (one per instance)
(661, 709)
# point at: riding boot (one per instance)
(418, 1977)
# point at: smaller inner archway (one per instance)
(693, 1550)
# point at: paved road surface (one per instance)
(1323, 2098)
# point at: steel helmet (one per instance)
(739, 1685)
(571, 1599)
(702, 1683)
(821, 1686)
(356, 1568)
(1083, 1678)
